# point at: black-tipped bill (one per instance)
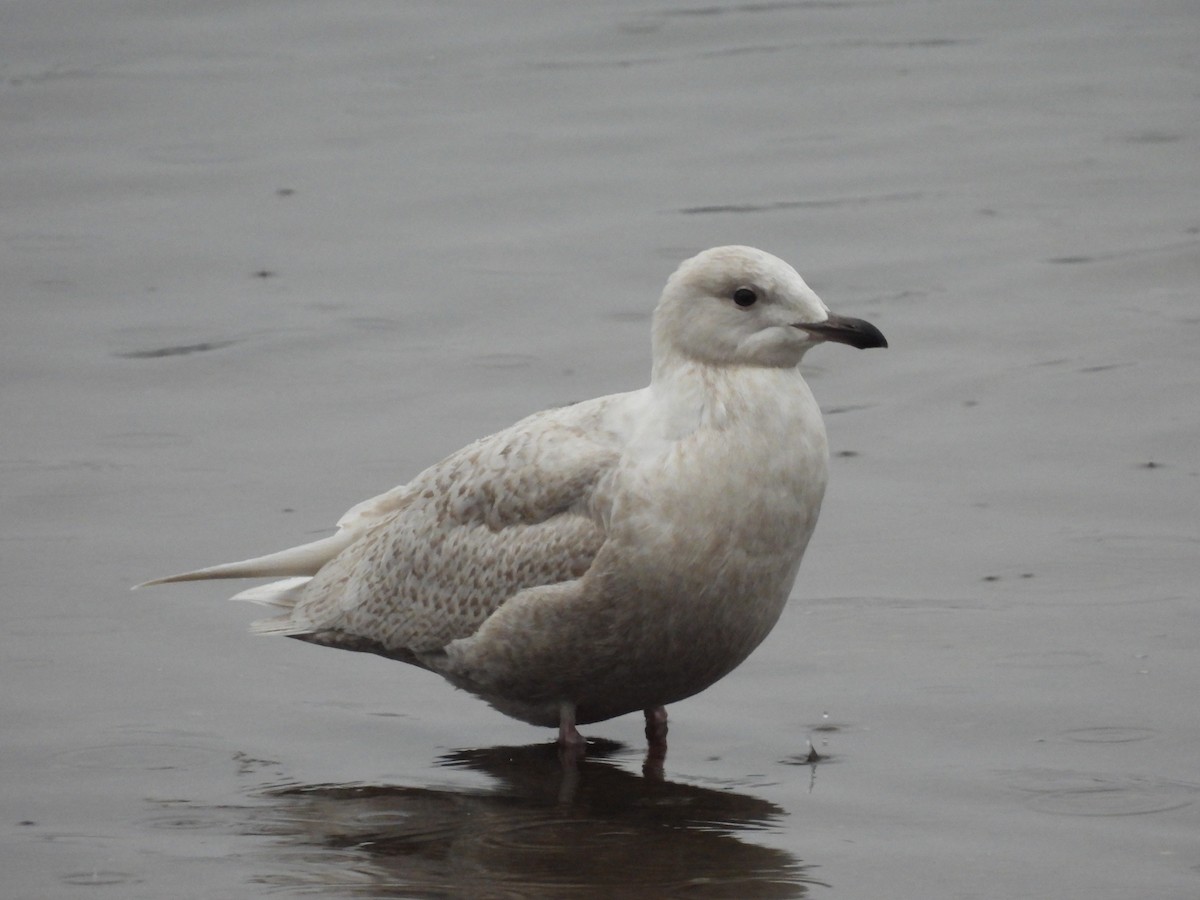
(846, 330)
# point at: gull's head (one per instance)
(741, 306)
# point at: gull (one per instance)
(608, 557)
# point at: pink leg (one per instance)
(656, 742)
(571, 744)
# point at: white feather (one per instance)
(282, 594)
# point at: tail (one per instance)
(283, 595)
(303, 560)
(300, 563)
(280, 594)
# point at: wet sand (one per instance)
(262, 261)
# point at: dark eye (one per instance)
(744, 297)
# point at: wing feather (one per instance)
(434, 558)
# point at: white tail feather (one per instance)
(303, 560)
(279, 625)
(282, 594)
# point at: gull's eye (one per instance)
(744, 297)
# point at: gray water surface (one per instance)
(263, 260)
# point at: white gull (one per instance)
(598, 559)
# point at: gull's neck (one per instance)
(686, 394)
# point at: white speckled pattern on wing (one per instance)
(510, 511)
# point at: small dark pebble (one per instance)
(285, 192)
(264, 273)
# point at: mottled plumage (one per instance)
(607, 557)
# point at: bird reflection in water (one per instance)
(540, 831)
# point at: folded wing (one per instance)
(426, 563)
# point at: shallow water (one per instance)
(264, 260)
